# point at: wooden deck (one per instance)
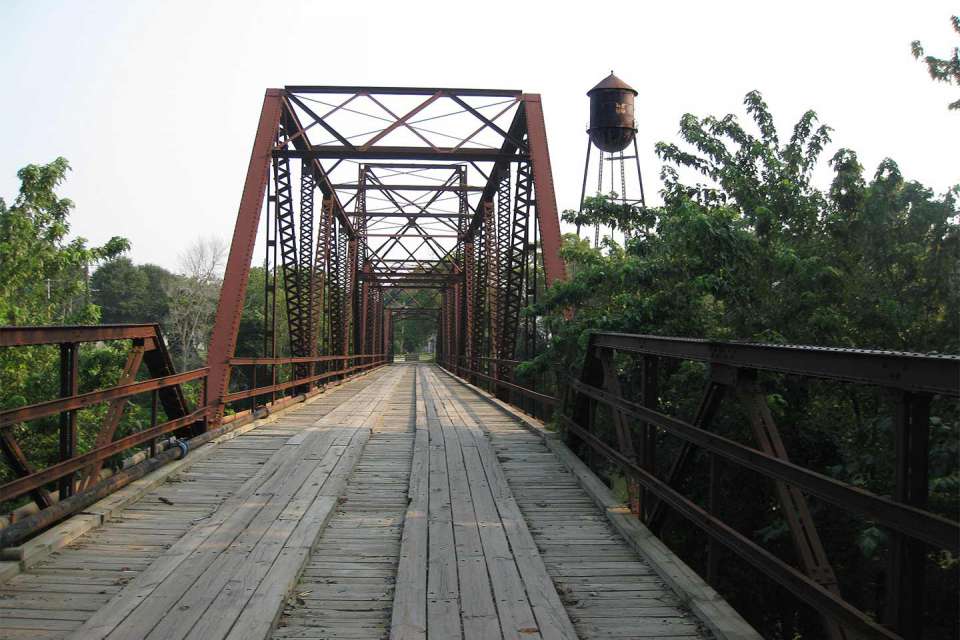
(399, 505)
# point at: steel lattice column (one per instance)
(514, 261)
(351, 297)
(479, 325)
(338, 293)
(491, 265)
(449, 350)
(366, 315)
(307, 280)
(503, 226)
(469, 256)
(287, 237)
(321, 267)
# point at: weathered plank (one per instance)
(409, 619)
(607, 589)
(198, 556)
(550, 618)
(347, 586)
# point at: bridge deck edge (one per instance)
(39, 548)
(703, 600)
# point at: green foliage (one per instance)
(42, 275)
(606, 211)
(412, 334)
(755, 251)
(129, 293)
(43, 280)
(942, 69)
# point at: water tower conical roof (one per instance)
(612, 82)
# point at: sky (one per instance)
(155, 104)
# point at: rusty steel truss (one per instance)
(439, 204)
(448, 190)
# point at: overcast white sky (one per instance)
(155, 103)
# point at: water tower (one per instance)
(612, 130)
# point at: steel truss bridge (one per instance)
(326, 487)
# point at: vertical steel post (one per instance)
(306, 255)
(363, 323)
(153, 420)
(514, 262)
(907, 564)
(69, 386)
(223, 340)
(713, 506)
(469, 264)
(352, 299)
(546, 198)
(649, 397)
(622, 428)
(579, 406)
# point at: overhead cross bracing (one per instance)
(438, 189)
(363, 227)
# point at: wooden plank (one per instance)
(443, 591)
(264, 606)
(200, 547)
(517, 619)
(480, 620)
(368, 522)
(596, 582)
(552, 618)
(215, 608)
(409, 618)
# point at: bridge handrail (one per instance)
(497, 382)
(24, 484)
(78, 474)
(934, 529)
(926, 373)
(543, 403)
(24, 336)
(917, 377)
(254, 391)
(70, 403)
(147, 346)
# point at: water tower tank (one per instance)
(612, 126)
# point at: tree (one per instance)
(43, 280)
(156, 307)
(756, 251)
(128, 293)
(605, 211)
(42, 274)
(412, 334)
(768, 183)
(942, 69)
(193, 299)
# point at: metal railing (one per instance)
(77, 476)
(496, 375)
(639, 428)
(595, 409)
(312, 370)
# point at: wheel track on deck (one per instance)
(347, 587)
(606, 588)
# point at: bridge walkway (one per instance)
(402, 504)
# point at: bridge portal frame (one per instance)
(356, 273)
